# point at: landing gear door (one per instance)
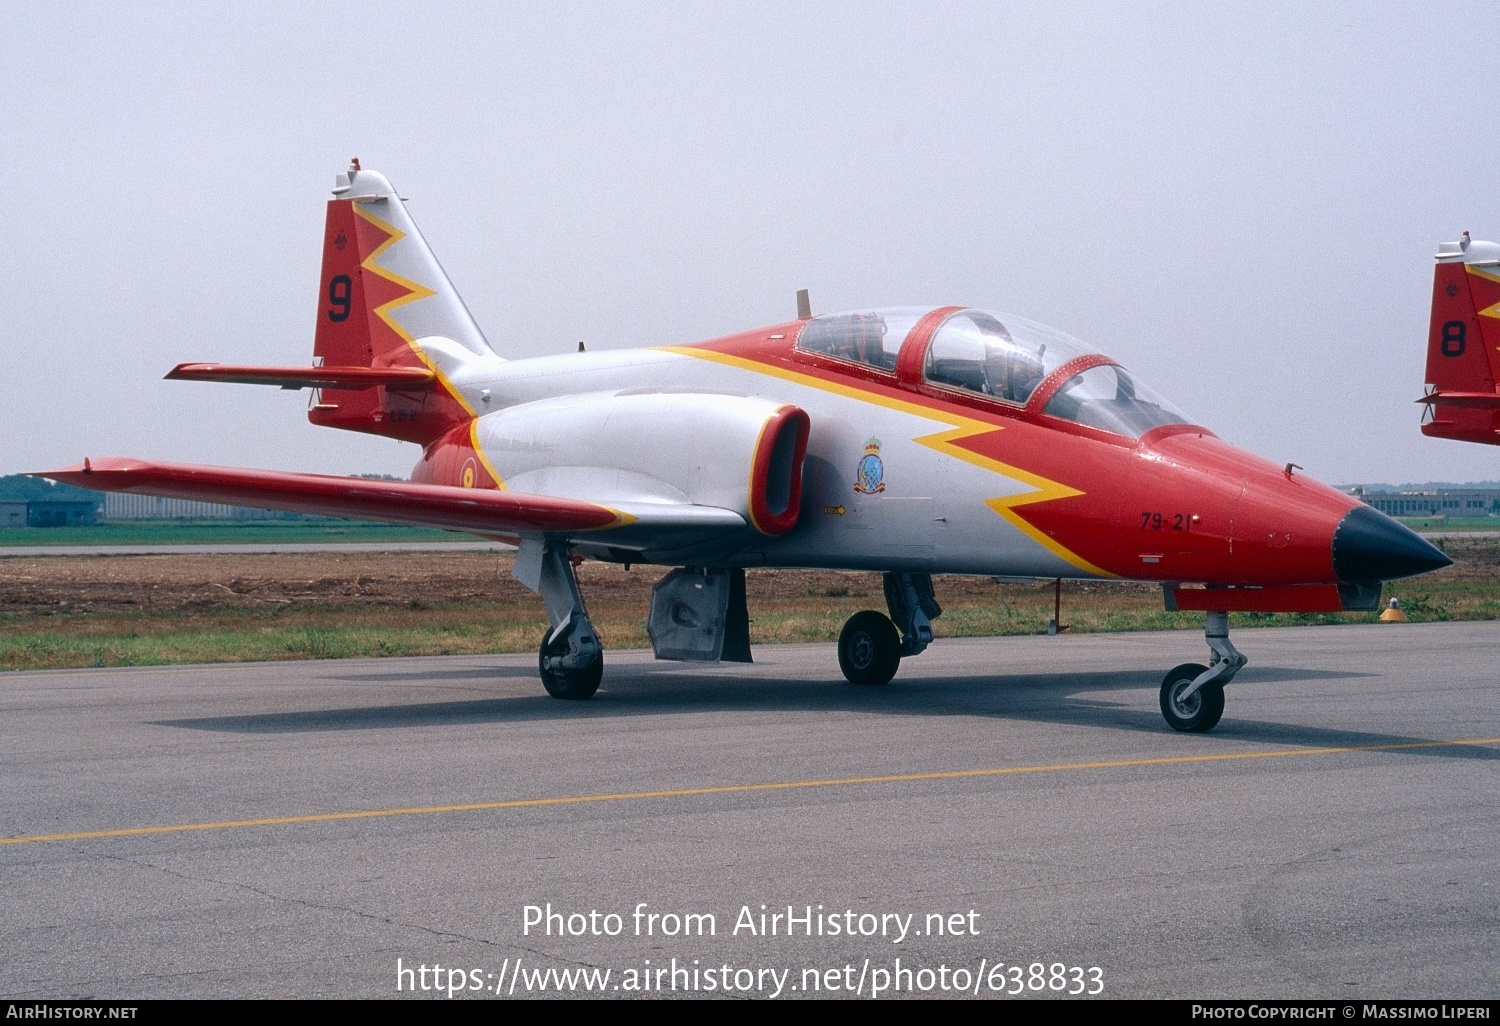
(700, 616)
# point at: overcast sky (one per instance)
(1239, 203)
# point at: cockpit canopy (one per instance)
(872, 338)
(997, 356)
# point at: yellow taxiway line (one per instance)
(786, 785)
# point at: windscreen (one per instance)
(1108, 398)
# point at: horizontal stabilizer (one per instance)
(307, 377)
(482, 511)
(1476, 400)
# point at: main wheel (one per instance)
(574, 684)
(1198, 712)
(869, 648)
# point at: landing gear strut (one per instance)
(571, 660)
(1192, 695)
(871, 644)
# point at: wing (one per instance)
(481, 511)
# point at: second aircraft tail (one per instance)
(1463, 344)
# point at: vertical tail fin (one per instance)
(382, 291)
(1463, 344)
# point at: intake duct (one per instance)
(735, 452)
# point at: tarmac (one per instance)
(340, 828)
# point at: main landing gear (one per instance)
(871, 644)
(571, 660)
(1192, 695)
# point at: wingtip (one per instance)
(89, 468)
(67, 475)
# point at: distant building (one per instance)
(31, 502)
(27, 501)
(127, 506)
(61, 512)
(48, 513)
(1434, 502)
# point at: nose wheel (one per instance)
(1192, 695)
(1192, 712)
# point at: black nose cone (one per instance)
(1370, 546)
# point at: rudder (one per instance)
(381, 291)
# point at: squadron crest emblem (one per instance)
(869, 476)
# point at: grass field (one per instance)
(222, 532)
(133, 611)
(1451, 523)
(146, 639)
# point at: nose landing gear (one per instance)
(1192, 695)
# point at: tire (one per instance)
(574, 685)
(869, 648)
(1201, 712)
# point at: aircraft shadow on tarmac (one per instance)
(479, 673)
(1070, 699)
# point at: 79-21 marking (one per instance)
(1153, 521)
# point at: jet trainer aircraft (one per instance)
(908, 441)
(1463, 344)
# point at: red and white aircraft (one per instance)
(909, 441)
(1463, 344)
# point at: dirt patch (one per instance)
(65, 611)
(197, 582)
(1474, 559)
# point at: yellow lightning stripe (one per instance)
(479, 452)
(942, 441)
(1005, 506)
(621, 517)
(415, 292)
(1480, 272)
(1493, 310)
